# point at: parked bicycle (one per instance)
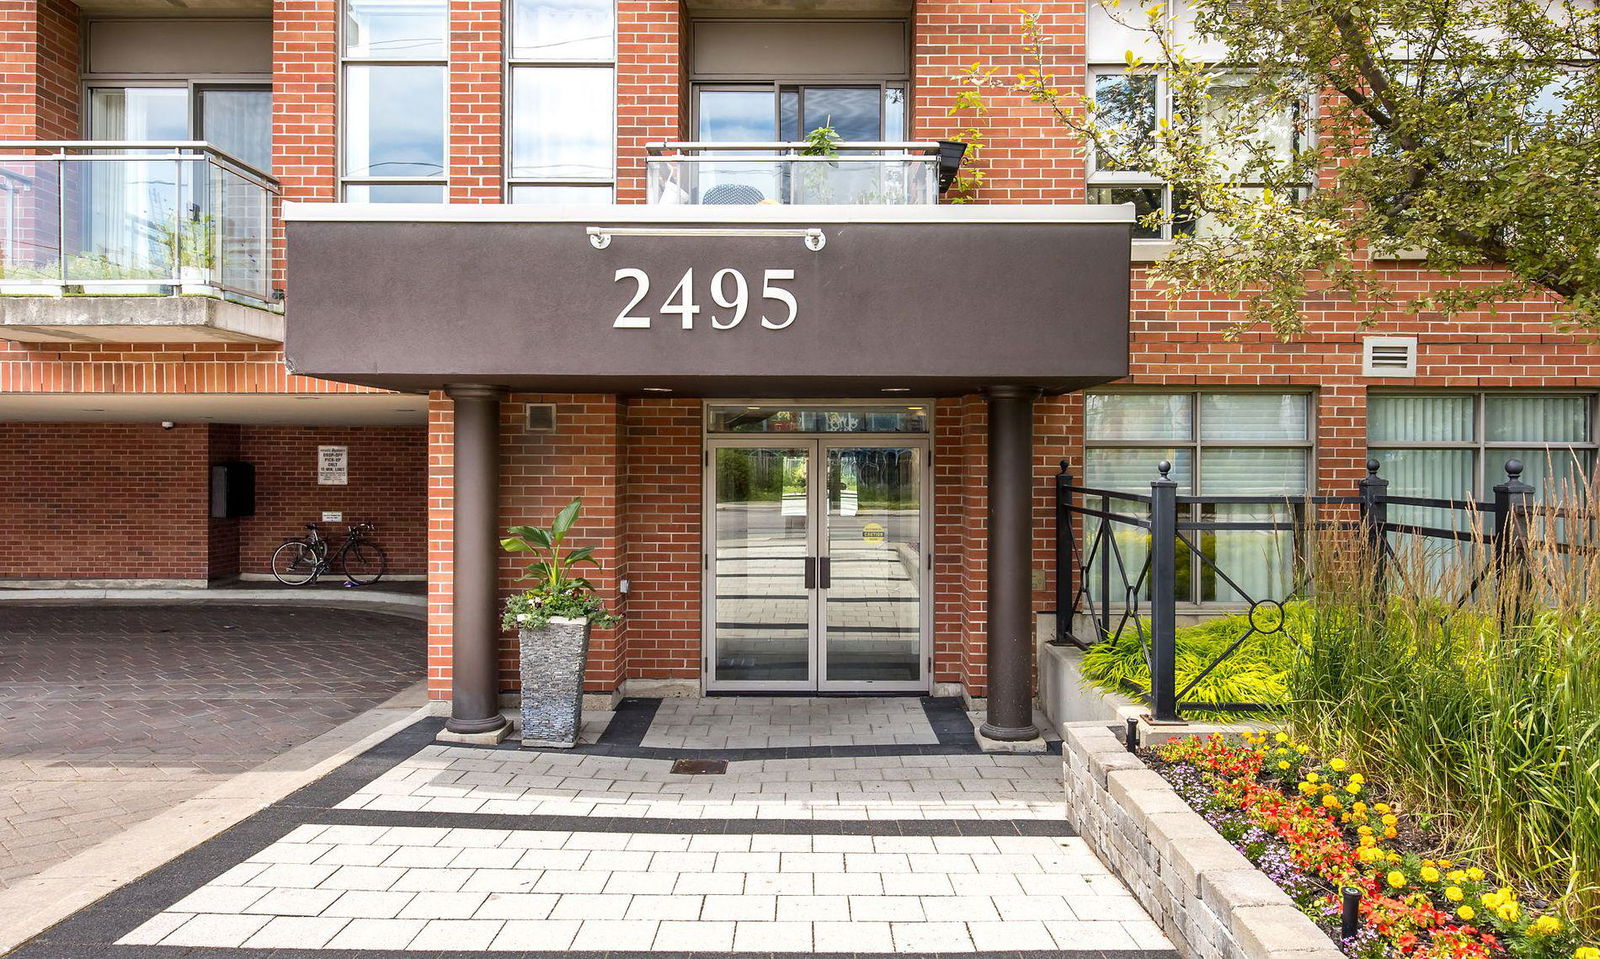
(301, 561)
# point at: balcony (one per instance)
(135, 242)
(751, 174)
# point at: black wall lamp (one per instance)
(950, 154)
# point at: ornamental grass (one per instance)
(1474, 699)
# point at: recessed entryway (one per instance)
(816, 557)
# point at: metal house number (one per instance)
(729, 291)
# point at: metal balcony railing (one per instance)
(102, 217)
(755, 173)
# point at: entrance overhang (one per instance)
(710, 301)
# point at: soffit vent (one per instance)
(541, 417)
(1389, 356)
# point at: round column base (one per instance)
(473, 727)
(1009, 734)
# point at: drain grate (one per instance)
(700, 767)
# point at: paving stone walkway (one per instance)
(422, 848)
(110, 714)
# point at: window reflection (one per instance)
(395, 29)
(561, 122)
(394, 121)
(561, 30)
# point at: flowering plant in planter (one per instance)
(552, 618)
(1314, 827)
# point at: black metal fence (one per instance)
(1130, 560)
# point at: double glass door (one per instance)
(817, 565)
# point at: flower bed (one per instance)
(1315, 828)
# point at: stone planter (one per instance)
(553, 660)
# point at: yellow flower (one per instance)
(1282, 764)
(1390, 832)
(1445, 864)
(1586, 952)
(1546, 926)
(1352, 788)
(1332, 802)
(1467, 913)
(1312, 777)
(1509, 911)
(1337, 765)
(1358, 778)
(1456, 875)
(1359, 807)
(1454, 894)
(1391, 820)
(1429, 874)
(1475, 874)
(1381, 809)
(1493, 899)
(1302, 749)
(1282, 737)
(1363, 830)
(1396, 878)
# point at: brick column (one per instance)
(477, 96)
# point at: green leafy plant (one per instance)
(821, 142)
(557, 592)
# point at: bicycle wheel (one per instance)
(363, 563)
(294, 564)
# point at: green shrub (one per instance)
(1255, 672)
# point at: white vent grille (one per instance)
(1389, 356)
(541, 417)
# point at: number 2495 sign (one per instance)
(731, 299)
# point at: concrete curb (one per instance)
(399, 604)
(1207, 898)
(39, 902)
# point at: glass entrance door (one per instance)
(817, 565)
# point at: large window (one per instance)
(1455, 445)
(1136, 104)
(1219, 444)
(562, 129)
(393, 101)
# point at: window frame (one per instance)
(510, 65)
(1483, 477)
(1197, 445)
(342, 116)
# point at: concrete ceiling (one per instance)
(321, 409)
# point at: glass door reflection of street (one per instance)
(818, 565)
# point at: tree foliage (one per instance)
(1310, 138)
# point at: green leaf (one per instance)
(566, 518)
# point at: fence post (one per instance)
(1163, 605)
(1374, 492)
(1513, 514)
(1066, 542)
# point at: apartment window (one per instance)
(1455, 445)
(562, 123)
(1219, 444)
(233, 117)
(1135, 104)
(393, 101)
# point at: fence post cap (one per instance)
(1513, 469)
(1372, 467)
(1164, 467)
(1063, 466)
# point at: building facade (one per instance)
(379, 237)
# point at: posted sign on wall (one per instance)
(333, 466)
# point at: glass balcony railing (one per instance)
(128, 218)
(750, 174)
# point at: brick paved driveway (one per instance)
(110, 714)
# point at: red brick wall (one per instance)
(103, 501)
(305, 76)
(540, 474)
(39, 46)
(388, 486)
(662, 502)
(477, 71)
(649, 86)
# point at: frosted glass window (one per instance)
(532, 193)
(561, 123)
(1255, 416)
(1139, 416)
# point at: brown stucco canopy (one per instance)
(937, 300)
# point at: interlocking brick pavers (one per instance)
(111, 714)
(315, 874)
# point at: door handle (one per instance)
(811, 572)
(827, 572)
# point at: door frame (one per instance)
(819, 444)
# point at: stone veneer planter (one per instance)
(1207, 898)
(553, 661)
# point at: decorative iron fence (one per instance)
(1127, 560)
